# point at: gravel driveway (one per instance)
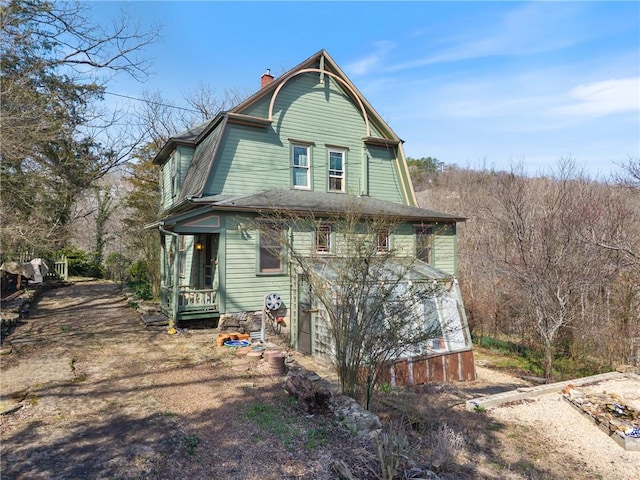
(101, 396)
(88, 392)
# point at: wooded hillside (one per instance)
(550, 263)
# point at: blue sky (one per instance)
(478, 84)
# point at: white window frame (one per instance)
(323, 249)
(342, 175)
(269, 248)
(383, 246)
(426, 232)
(295, 165)
(173, 166)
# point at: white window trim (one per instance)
(263, 236)
(329, 239)
(427, 231)
(382, 248)
(293, 166)
(343, 177)
(173, 167)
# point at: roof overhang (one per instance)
(325, 204)
(190, 138)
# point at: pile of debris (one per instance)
(610, 412)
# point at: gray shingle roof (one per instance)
(324, 203)
(200, 167)
(192, 133)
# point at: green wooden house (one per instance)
(307, 141)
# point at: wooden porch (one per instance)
(193, 303)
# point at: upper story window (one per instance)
(323, 239)
(383, 244)
(300, 163)
(424, 244)
(336, 170)
(173, 166)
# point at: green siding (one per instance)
(403, 240)
(383, 176)
(304, 240)
(260, 109)
(178, 161)
(444, 248)
(166, 175)
(253, 159)
(185, 155)
(245, 288)
(250, 160)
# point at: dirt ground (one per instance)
(88, 392)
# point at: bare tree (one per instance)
(631, 178)
(55, 64)
(599, 224)
(372, 303)
(540, 252)
(141, 205)
(160, 119)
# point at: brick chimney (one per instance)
(266, 78)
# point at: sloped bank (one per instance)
(17, 307)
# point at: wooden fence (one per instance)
(58, 267)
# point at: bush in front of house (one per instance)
(81, 263)
(141, 289)
(117, 267)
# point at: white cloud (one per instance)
(603, 98)
(373, 60)
(530, 29)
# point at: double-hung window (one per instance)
(174, 174)
(300, 163)
(323, 239)
(336, 170)
(271, 248)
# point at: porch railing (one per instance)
(190, 299)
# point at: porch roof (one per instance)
(324, 203)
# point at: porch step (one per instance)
(154, 319)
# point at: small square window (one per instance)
(323, 239)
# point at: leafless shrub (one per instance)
(392, 449)
(445, 444)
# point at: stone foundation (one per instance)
(247, 322)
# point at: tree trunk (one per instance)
(311, 397)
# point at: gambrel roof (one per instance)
(205, 138)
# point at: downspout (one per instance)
(176, 279)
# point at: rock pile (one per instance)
(607, 410)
